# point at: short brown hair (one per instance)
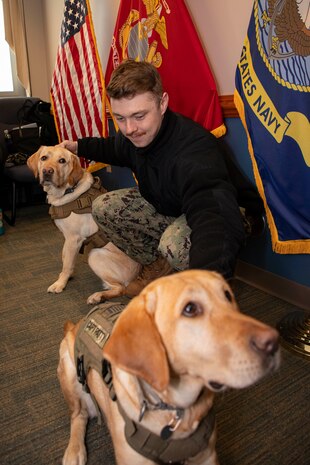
(134, 77)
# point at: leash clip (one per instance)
(142, 410)
(173, 424)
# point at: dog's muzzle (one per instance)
(47, 174)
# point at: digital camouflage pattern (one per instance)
(133, 225)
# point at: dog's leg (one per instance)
(70, 251)
(114, 268)
(114, 290)
(75, 453)
(80, 405)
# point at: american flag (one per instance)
(78, 92)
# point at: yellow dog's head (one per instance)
(188, 324)
(55, 166)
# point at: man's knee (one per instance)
(175, 244)
(106, 206)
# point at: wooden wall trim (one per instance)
(228, 106)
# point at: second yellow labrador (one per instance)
(173, 347)
(65, 182)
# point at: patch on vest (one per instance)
(111, 313)
(95, 331)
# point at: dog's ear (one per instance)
(33, 161)
(76, 172)
(135, 345)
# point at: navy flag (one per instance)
(272, 96)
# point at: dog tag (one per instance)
(166, 432)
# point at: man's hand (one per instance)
(71, 145)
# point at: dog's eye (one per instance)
(228, 295)
(43, 158)
(62, 160)
(191, 309)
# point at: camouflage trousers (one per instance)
(135, 227)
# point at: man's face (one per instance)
(139, 118)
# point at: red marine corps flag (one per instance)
(161, 32)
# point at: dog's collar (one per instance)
(81, 205)
(163, 450)
(160, 405)
(145, 404)
(151, 401)
(69, 190)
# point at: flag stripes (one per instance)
(77, 90)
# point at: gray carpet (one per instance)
(267, 424)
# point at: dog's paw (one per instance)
(95, 298)
(75, 455)
(56, 287)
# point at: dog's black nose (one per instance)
(265, 343)
(48, 171)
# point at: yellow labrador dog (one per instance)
(172, 348)
(69, 191)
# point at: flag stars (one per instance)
(74, 18)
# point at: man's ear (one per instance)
(136, 347)
(164, 102)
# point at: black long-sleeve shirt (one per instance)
(183, 170)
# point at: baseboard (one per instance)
(229, 109)
(273, 284)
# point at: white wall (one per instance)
(104, 19)
(222, 27)
(52, 18)
(221, 24)
(36, 48)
